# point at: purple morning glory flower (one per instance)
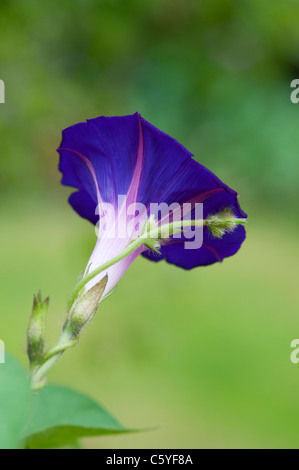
(111, 156)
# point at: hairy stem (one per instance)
(219, 223)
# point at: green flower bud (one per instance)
(223, 222)
(84, 309)
(37, 329)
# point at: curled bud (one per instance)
(37, 329)
(84, 308)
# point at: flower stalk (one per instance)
(218, 225)
(83, 304)
(81, 313)
(38, 377)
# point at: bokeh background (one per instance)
(204, 355)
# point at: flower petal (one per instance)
(170, 174)
(212, 251)
(99, 156)
(108, 157)
(84, 205)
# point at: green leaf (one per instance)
(15, 403)
(62, 415)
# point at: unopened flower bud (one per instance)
(37, 329)
(223, 222)
(84, 308)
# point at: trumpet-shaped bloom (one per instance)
(106, 157)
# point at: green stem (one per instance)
(59, 349)
(217, 221)
(147, 235)
(50, 359)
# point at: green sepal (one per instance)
(84, 308)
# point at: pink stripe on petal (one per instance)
(204, 196)
(215, 252)
(177, 213)
(132, 194)
(134, 186)
(91, 169)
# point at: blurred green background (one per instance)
(204, 355)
